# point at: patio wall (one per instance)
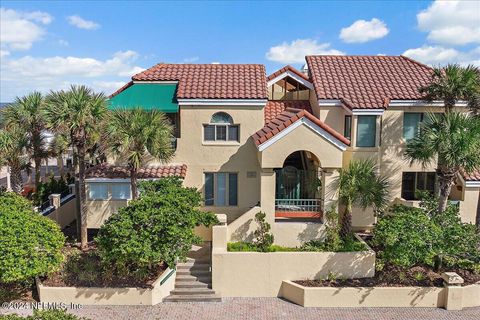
(257, 274)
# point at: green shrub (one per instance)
(157, 227)
(410, 236)
(348, 244)
(47, 314)
(263, 237)
(31, 244)
(333, 241)
(46, 189)
(250, 247)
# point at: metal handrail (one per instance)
(312, 205)
(168, 276)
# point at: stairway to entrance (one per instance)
(193, 282)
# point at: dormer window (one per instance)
(221, 128)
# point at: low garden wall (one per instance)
(258, 274)
(449, 297)
(110, 296)
(65, 212)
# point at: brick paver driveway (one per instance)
(264, 308)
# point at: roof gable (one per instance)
(289, 71)
(367, 81)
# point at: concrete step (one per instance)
(198, 260)
(193, 298)
(196, 273)
(193, 266)
(191, 291)
(188, 278)
(192, 284)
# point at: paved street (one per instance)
(266, 308)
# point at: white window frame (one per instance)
(227, 189)
(97, 184)
(227, 127)
(120, 183)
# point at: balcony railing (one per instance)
(298, 205)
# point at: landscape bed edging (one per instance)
(110, 296)
(450, 297)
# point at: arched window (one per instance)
(221, 128)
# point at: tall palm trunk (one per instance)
(346, 228)
(16, 180)
(38, 165)
(134, 181)
(82, 196)
(446, 180)
(37, 159)
(78, 216)
(60, 166)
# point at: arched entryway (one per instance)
(298, 187)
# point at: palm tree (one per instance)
(359, 185)
(138, 137)
(26, 113)
(78, 111)
(453, 139)
(58, 148)
(13, 144)
(453, 83)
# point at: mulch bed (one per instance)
(392, 276)
(84, 269)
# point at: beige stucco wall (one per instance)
(266, 271)
(65, 214)
(108, 296)
(98, 211)
(468, 207)
(239, 157)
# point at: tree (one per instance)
(360, 185)
(26, 113)
(78, 111)
(453, 140)
(157, 227)
(58, 148)
(13, 143)
(453, 83)
(31, 244)
(137, 137)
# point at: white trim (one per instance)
(155, 82)
(292, 75)
(310, 124)
(368, 112)
(116, 180)
(472, 184)
(330, 103)
(423, 103)
(222, 102)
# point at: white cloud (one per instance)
(296, 51)
(63, 43)
(451, 22)
(25, 74)
(81, 23)
(19, 30)
(190, 59)
(4, 53)
(438, 55)
(363, 31)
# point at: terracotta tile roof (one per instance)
(285, 69)
(285, 119)
(211, 81)
(109, 171)
(474, 176)
(367, 81)
(275, 107)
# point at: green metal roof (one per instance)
(148, 96)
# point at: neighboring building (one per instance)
(277, 143)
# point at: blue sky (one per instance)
(51, 44)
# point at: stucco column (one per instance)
(9, 181)
(330, 189)
(54, 200)
(267, 194)
(454, 295)
(353, 142)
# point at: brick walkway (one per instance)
(265, 308)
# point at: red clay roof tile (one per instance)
(288, 117)
(474, 176)
(276, 107)
(285, 69)
(109, 171)
(367, 81)
(211, 81)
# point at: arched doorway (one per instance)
(298, 186)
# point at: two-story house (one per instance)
(276, 143)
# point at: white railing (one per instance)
(310, 205)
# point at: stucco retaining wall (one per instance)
(109, 296)
(64, 214)
(425, 297)
(257, 274)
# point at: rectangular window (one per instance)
(221, 189)
(97, 191)
(366, 131)
(347, 132)
(417, 181)
(411, 125)
(209, 187)
(220, 132)
(121, 191)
